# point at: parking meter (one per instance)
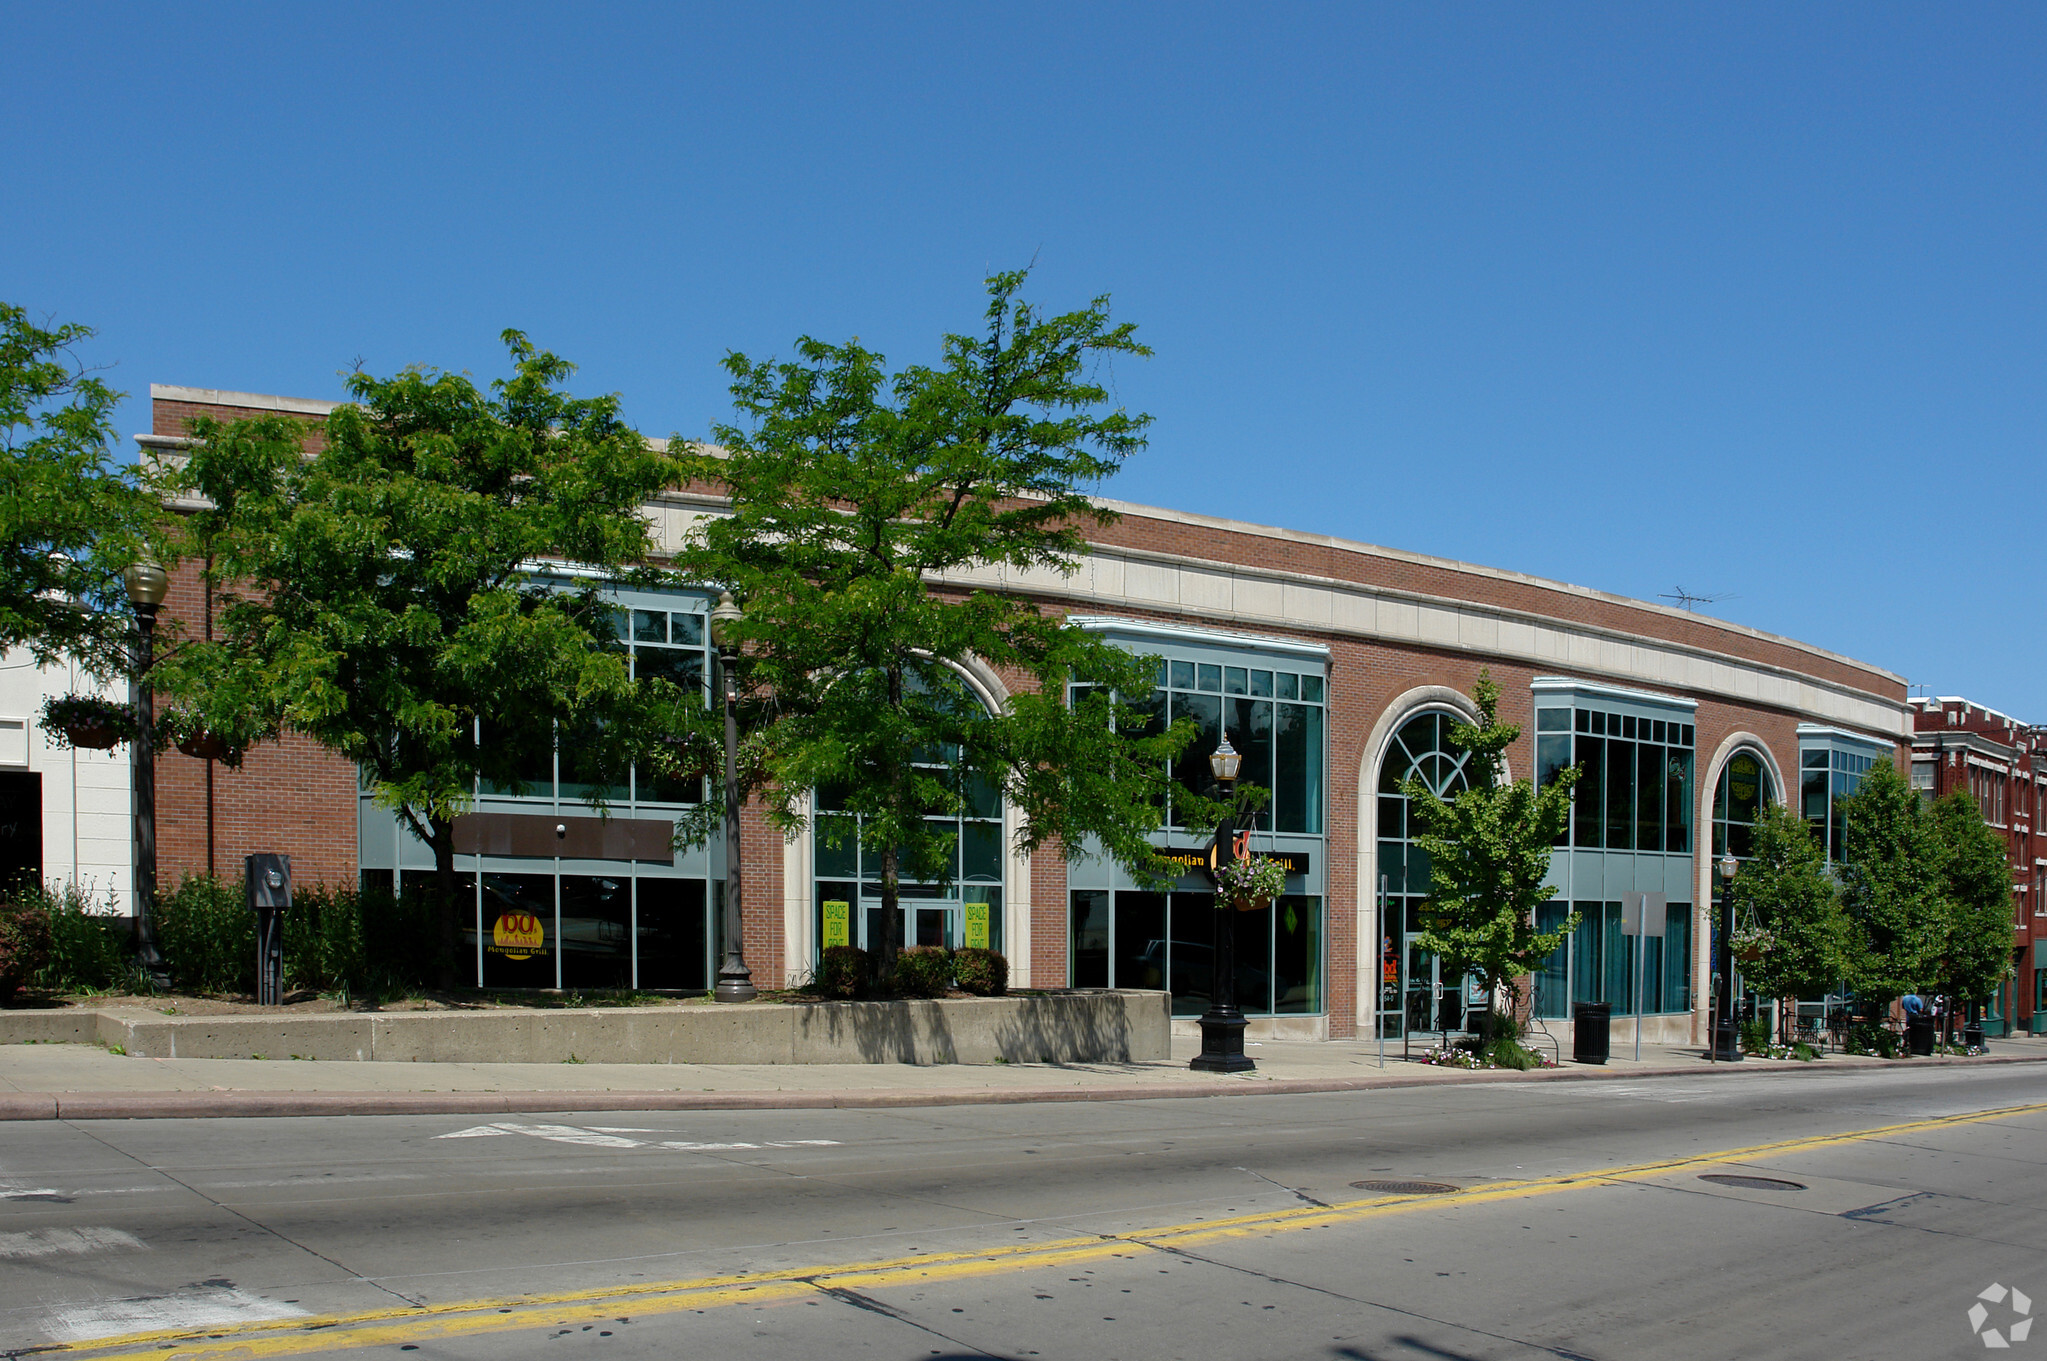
(268, 885)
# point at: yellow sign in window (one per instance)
(977, 926)
(838, 924)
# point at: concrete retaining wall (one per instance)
(1065, 1027)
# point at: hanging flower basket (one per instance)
(88, 722)
(208, 746)
(1252, 883)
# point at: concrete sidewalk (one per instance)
(83, 1082)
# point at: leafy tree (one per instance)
(71, 518)
(1975, 882)
(1897, 919)
(379, 588)
(1798, 906)
(1489, 852)
(861, 502)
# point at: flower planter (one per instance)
(208, 747)
(98, 736)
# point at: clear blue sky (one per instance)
(1747, 298)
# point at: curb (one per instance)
(259, 1105)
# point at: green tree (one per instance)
(1489, 853)
(381, 589)
(862, 503)
(1797, 904)
(1897, 918)
(1975, 883)
(71, 516)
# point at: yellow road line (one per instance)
(387, 1327)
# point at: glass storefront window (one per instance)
(1132, 939)
(1634, 790)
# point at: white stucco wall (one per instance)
(86, 796)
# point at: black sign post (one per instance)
(269, 896)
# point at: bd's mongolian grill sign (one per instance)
(517, 935)
(1194, 859)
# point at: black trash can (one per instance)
(1919, 1035)
(1591, 1032)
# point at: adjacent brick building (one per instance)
(1335, 666)
(2002, 764)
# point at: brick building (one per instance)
(1335, 666)
(2002, 764)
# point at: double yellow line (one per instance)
(470, 1318)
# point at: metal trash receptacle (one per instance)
(1591, 1032)
(1919, 1035)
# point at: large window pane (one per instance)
(1588, 801)
(596, 931)
(1297, 791)
(1193, 952)
(1677, 958)
(1090, 939)
(1620, 795)
(1677, 808)
(1297, 956)
(519, 935)
(1648, 797)
(1140, 941)
(1191, 769)
(1553, 982)
(673, 952)
(1250, 731)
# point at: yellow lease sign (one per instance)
(977, 926)
(838, 924)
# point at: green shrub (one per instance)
(984, 973)
(924, 971)
(208, 936)
(92, 945)
(1511, 1053)
(24, 944)
(1869, 1037)
(1755, 1036)
(841, 972)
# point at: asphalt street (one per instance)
(1558, 1220)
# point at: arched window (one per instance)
(1743, 791)
(1414, 994)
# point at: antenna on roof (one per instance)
(1687, 601)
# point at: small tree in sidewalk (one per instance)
(1801, 948)
(1489, 852)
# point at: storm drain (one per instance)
(1407, 1188)
(1751, 1183)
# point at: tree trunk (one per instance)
(443, 834)
(891, 899)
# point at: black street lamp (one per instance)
(147, 586)
(1726, 1035)
(1222, 1025)
(735, 980)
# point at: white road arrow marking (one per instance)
(609, 1136)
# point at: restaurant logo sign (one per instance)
(517, 935)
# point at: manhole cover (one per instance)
(1752, 1183)
(1407, 1188)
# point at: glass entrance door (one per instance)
(923, 922)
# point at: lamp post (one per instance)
(147, 586)
(1222, 1025)
(735, 980)
(1726, 1036)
